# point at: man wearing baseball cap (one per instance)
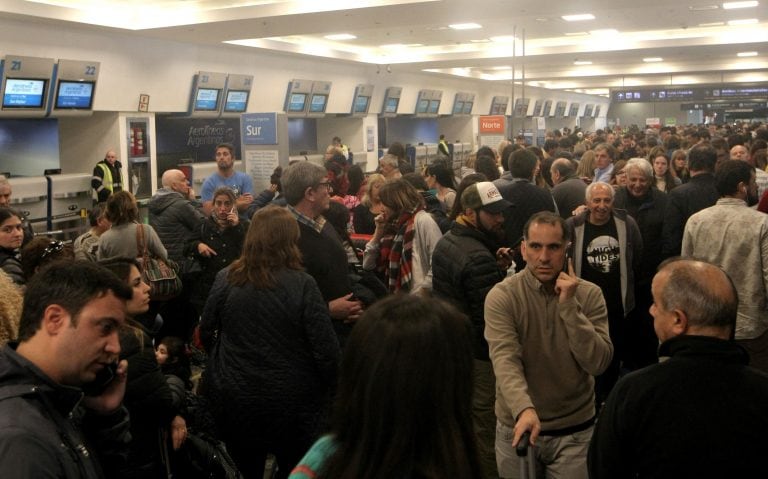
(466, 264)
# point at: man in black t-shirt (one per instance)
(606, 250)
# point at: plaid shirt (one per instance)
(315, 224)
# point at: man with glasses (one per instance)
(307, 190)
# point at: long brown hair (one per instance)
(271, 243)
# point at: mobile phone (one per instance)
(567, 259)
(103, 379)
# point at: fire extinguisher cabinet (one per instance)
(139, 165)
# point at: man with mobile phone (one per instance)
(547, 334)
(68, 342)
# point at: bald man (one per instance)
(107, 176)
(569, 191)
(701, 413)
(174, 213)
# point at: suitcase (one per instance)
(524, 451)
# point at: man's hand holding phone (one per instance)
(105, 395)
(567, 281)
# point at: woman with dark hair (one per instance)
(120, 241)
(440, 178)
(664, 178)
(217, 242)
(148, 397)
(41, 251)
(404, 239)
(11, 237)
(487, 166)
(272, 349)
(402, 409)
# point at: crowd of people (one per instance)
(402, 323)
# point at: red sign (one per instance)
(495, 124)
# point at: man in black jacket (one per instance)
(176, 215)
(466, 264)
(307, 191)
(702, 412)
(107, 177)
(687, 199)
(68, 339)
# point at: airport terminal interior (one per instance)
(161, 85)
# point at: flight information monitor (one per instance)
(434, 106)
(236, 101)
(297, 102)
(207, 99)
(390, 105)
(422, 106)
(318, 103)
(361, 104)
(24, 93)
(74, 95)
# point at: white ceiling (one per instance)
(692, 37)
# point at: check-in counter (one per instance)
(30, 198)
(69, 199)
(420, 157)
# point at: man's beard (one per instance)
(752, 200)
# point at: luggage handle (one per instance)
(527, 461)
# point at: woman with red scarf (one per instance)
(404, 239)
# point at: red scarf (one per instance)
(397, 252)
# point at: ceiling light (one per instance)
(578, 18)
(501, 68)
(503, 39)
(712, 24)
(702, 8)
(732, 5)
(480, 40)
(653, 59)
(465, 26)
(576, 34)
(340, 36)
(582, 62)
(746, 54)
(604, 32)
(747, 21)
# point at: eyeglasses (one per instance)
(326, 184)
(53, 247)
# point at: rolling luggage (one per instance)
(524, 451)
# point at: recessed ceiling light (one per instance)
(702, 8)
(746, 54)
(712, 24)
(746, 21)
(732, 5)
(578, 17)
(503, 39)
(582, 62)
(604, 32)
(501, 68)
(341, 36)
(653, 59)
(480, 40)
(465, 26)
(576, 34)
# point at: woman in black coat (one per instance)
(272, 349)
(217, 242)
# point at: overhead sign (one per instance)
(492, 124)
(259, 128)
